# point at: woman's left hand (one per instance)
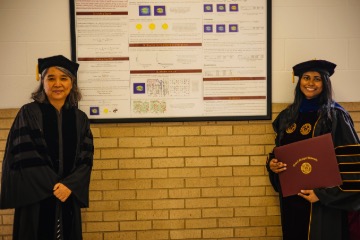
(61, 192)
(309, 195)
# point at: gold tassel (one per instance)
(293, 77)
(37, 72)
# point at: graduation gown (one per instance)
(43, 148)
(337, 210)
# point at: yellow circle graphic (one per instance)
(138, 26)
(165, 26)
(152, 26)
(306, 168)
(305, 129)
(291, 129)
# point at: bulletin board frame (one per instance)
(171, 61)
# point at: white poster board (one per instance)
(181, 60)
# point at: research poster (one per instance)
(169, 60)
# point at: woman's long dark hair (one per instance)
(325, 102)
(74, 97)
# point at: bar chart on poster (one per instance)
(185, 60)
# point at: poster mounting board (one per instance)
(178, 60)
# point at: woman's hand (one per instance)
(61, 192)
(276, 166)
(309, 195)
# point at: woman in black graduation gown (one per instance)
(48, 158)
(323, 213)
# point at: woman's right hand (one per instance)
(276, 166)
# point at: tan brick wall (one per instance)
(178, 180)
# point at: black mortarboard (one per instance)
(314, 65)
(59, 61)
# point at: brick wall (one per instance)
(178, 180)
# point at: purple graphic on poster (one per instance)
(221, 7)
(144, 11)
(234, 7)
(233, 28)
(220, 28)
(139, 88)
(208, 28)
(208, 8)
(94, 111)
(159, 11)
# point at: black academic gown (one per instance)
(44, 148)
(328, 218)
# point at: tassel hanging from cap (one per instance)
(293, 77)
(37, 72)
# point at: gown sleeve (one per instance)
(78, 180)
(274, 177)
(27, 176)
(346, 142)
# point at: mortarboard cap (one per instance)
(314, 65)
(59, 61)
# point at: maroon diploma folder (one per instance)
(311, 163)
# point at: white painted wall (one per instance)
(302, 30)
(321, 29)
